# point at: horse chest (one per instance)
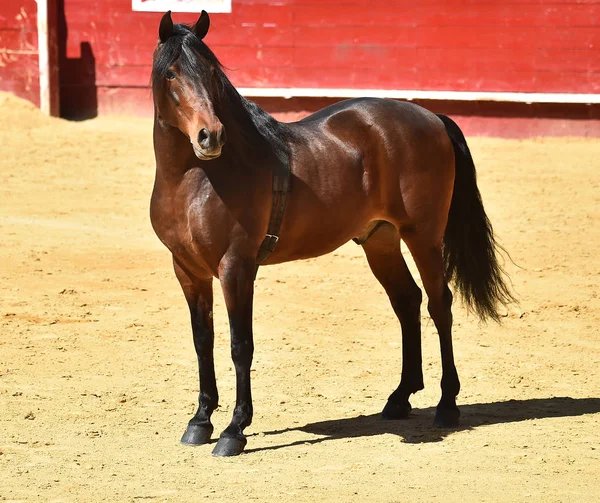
(179, 225)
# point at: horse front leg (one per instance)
(199, 296)
(237, 281)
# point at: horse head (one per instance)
(185, 85)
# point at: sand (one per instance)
(98, 374)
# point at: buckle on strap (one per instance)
(280, 187)
(270, 242)
(266, 248)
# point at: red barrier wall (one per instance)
(19, 71)
(461, 45)
(542, 46)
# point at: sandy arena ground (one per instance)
(98, 374)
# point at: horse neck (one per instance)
(172, 150)
(255, 136)
(247, 157)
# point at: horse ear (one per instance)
(202, 25)
(165, 30)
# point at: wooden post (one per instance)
(47, 24)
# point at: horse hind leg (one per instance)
(429, 261)
(382, 249)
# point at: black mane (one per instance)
(258, 128)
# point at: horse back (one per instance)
(365, 160)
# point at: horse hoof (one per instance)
(197, 434)
(229, 446)
(394, 410)
(446, 418)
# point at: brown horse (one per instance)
(377, 171)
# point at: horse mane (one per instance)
(258, 128)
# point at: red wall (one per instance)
(466, 45)
(462, 45)
(19, 71)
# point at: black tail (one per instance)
(469, 245)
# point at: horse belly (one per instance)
(325, 209)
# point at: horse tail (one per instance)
(469, 247)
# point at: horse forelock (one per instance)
(191, 53)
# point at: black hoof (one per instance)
(229, 446)
(446, 418)
(395, 410)
(197, 434)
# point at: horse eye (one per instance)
(171, 75)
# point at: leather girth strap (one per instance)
(281, 187)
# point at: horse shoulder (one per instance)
(178, 213)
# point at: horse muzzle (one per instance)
(208, 144)
(205, 155)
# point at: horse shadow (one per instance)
(77, 76)
(417, 428)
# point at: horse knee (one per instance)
(242, 353)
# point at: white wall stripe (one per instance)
(305, 92)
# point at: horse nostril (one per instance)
(222, 136)
(204, 138)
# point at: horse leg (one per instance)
(387, 263)
(237, 281)
(431, 267)
(199, 296)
